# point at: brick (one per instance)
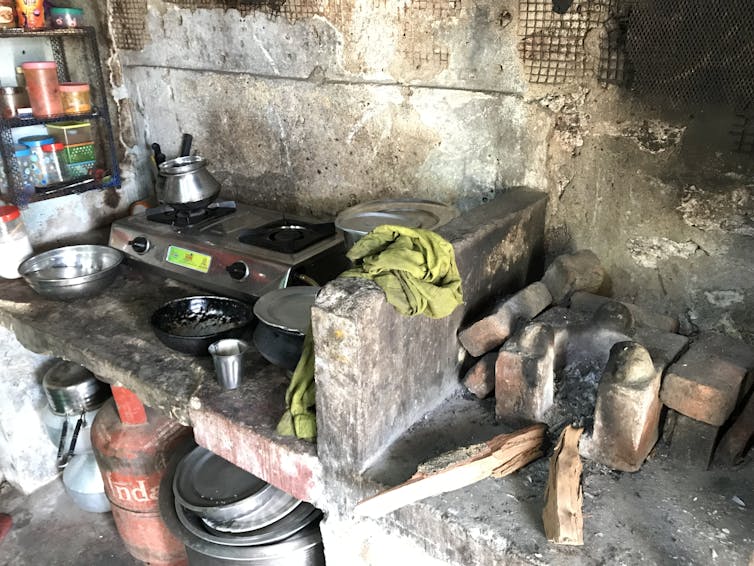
(480, 379)
(736, 352)
(692, 442)
(492, 330)
(524, 374)
(568, 273)
(589, 302)
(736, 439)
(627, 413)
(563, 321)
(702, 385)
(664, 347)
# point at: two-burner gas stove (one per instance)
(233, 249)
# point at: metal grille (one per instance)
(128, 23)
(615, 67)
(551, 43)
(291, 9)
(692, 51)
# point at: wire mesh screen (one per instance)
(128, 23)
(552, 39)
(743, 131)
(692, 51)
(615, 66)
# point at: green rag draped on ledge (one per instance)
(417, 271)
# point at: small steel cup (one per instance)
(228, 358)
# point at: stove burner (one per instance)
(282, 236)
(184, 217)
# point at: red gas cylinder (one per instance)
(133, 445)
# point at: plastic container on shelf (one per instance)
(43, 88)
(11, 99)
(71, 133)
(30, 14)
(66, 17)
(78, 153)
(14, 242)
(78, 170)
(45, 164)
(25, 168)
(8, 14)
(20, 78)
(75, 98)
(51, 160)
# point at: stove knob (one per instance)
(238, 270)
(140, 244)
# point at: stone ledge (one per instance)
(110, 335)
(239, 425)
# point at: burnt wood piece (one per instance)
(498, 457)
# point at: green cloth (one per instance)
(417, 271)
(299, 418)
(416, 268)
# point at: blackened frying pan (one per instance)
(191, 324)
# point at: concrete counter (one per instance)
(110, 335)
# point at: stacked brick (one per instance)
(708, 391)
(524, 340)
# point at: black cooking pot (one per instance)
(191, 324)
(283, 317)
(279, 347)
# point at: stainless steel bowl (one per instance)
(72, 271)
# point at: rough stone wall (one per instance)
(313, 106)
(663, 201)
(27, 457)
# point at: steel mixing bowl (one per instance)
(72, 272)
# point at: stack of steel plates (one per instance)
(225, 515)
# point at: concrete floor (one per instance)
(48, 529)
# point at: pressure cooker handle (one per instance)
(186, 141)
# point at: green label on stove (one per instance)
(187, 258)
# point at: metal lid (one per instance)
(226, 497)
(71, 388)
(288, 309)
(204, 480)
(363, 218)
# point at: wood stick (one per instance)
(498, 457)
(562, 516)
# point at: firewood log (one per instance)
(498, 457)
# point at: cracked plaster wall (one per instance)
(664, 201)
(377, 99)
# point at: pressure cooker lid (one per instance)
(365, 217)
(71, 388)
(288, 309)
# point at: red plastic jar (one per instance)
(43, 88)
